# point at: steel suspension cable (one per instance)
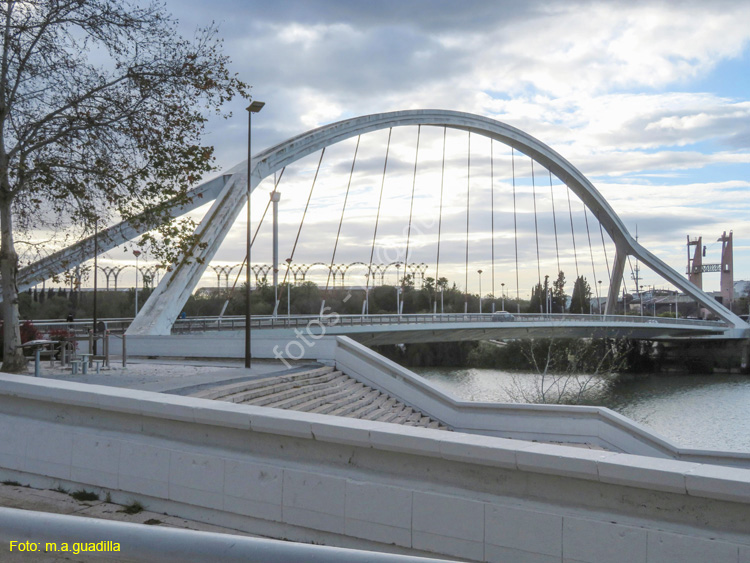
(554, 221)
(440, 217)
(380, 201)
(343, 209)
(604, 246)
(468, 191)
(536, 227)
(591, 252)
(492, 210)
(304, 214)
(515, 222)
(411, 206)
(572, 232)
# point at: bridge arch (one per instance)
(158, 314)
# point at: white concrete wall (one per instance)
(227, 344)
(365, 484)
(545, 423)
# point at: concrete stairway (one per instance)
(324, 391)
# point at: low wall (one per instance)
(227, 344)
(370, 485)
(598, 426)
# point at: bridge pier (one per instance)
(618, 269)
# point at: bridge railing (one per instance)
(201, 324)
(213, 323)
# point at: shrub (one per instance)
(63, 335)
(29, 332)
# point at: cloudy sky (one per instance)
(650, 100)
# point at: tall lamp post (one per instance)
(136, 253)
(480, 291)
(254, 107)
(503, 292)
(600, 297)
(288, 290)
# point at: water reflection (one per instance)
(696, 411)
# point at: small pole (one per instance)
(91, 347)
(96, 252)
(105, 344)
(124, 350)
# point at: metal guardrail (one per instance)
(201, 324)
(205, 324)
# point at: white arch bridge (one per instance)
(228, 193)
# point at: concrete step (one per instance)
(323, 391)
(320, 403)
(238, 387)
(340, 399)
(310, 393)
(278, 391)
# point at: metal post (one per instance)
(136, 253)
(124, 350)
(96, 252)
(502, 285)
(275, 196)
(105, 345)
(254, 107)
(480, 291)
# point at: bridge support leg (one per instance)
(158, 314)
(618, 270)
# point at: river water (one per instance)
(693, 411)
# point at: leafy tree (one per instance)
(559, 298)
(580, 302)
(102, 109)
(537, 299)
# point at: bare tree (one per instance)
(569, 371)
(102, 108)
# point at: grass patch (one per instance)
(59, 489)
(133, 508)
(84, 495)
(12, 483)
(152, 522)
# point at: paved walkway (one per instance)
(15, 495)
(165, 376)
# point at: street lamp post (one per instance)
(254, 107)
(480, 291)
(600, 297)
(502, 285)
(136, 253)
(288, 291)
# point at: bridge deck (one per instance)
(323, 391)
